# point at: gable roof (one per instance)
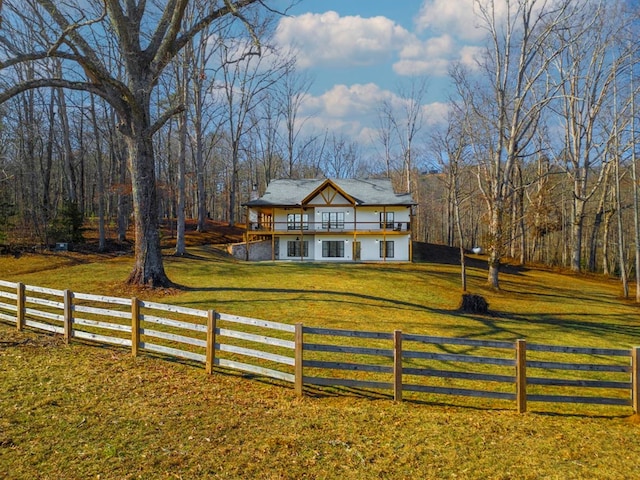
(288, 192)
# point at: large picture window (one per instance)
(332, 220)
(386, 249)
(333, 249)
(297, 221)
(386, 220)
(297, 248)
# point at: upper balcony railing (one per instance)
(328, 227)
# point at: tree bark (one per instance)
(148, 268)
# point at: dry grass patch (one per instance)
(83, 411)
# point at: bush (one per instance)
(472, 303)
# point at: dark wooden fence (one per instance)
(399, 363)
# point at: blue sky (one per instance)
(360, 52)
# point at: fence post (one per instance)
(68, 316)
(397, 365)
(20, 307)
(211, 341)
(135, 326)
(521, 375)
(635, 379)
(299, 347)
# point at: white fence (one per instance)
(396, 362)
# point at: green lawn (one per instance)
(83, 411)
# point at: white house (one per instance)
(330, 220)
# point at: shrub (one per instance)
(472, 303)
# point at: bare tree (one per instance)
(149, 35)
(507, 108)
(586, 70)
(244, 78)
(294, 89)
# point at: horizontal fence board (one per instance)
(9, 295)
(575, 399)
(96, 337)
(167, 322)
(614, 352)
(347, 382)
(174, 337)
(356, 367)
(4, 283)
(458, 341)
(102, 311)
(41, 314)
(249, 352)
(284, 327)
(8, 318)
(245, 367)
(44, 326)
(102, 298)
(347, 333)
(106, 325)
(46, 291)
(463, 392)
(176, 352)
(453, 357)
(44, 302)
(6, 306)
(321, 347)
(276, 342)
(430, 372)
(174, 309)
(561, 382)
(584, 367)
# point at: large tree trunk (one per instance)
(148, 267)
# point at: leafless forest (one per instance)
(142, 112)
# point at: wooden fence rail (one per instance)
(396, 362)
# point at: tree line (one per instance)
(140, 112)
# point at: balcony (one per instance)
(283, 228)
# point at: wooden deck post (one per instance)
(211, 341)
(20, 307)
(299, 355)
(397, 365)
(521, 375)
(135, 326)
(68, 316)
(635, 379)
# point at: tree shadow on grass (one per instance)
(336, 294)
(495, 324)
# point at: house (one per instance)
(330, 220)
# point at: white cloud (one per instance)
(457, 17)
(431, 57)
(348, 101)
(329, 39)
(353, 110)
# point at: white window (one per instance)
(386, 220)
(386, 249)
(297, 248)
(331, 248)
(332, 220)
(297, 221)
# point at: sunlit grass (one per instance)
(538, 305)
(84, 411)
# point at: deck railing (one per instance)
(323, 227)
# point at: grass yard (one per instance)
(76, 412)
(85, 411)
